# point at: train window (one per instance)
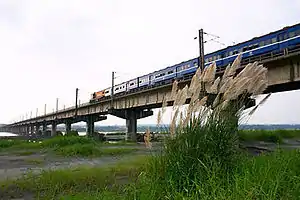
(210, 59)
(214, 58)
(131, 84)
(219, 56)
(292, 34)
(274, 40)
(185, 67)
(280, 37)
(261, 43)
(230, 53)
(298, 32)
(285, 36)
(245, 48)
(170, 72)
(268, 41)
(195, 64)
(206, 60)
(256, 45)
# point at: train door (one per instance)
(150, 79)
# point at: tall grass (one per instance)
(203, 147)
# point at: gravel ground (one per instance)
(14, 165)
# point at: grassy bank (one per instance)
(80, 181)
(273, 176)
(65, 146)
(276, 136)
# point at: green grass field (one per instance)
(65, 146)
(273, 176)
(275, 136)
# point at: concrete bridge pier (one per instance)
(53, 128)
(21, 130)
(44, 131)
(37, 128)
(90, 124)
(24, 129)
(131, 125)
(68, 125)
(32, 131)
(131, 116)
(27, 129)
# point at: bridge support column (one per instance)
(90, 124)
(44, 131)
(131, 116)
(131, 125)
(37, 128)
(68, 126)
(27, 129)
(53, 129)
(31, 129)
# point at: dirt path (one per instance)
(14, 164)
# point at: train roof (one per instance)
(270, 33)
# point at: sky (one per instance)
(50, 48)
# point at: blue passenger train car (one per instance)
(275, 42)
(283, 40)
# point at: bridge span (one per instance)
(283, 75)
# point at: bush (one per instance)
(59, 133)
(78, 150)
(66, 141)
(72, 133)
(6, 143)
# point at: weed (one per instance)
(35, 161)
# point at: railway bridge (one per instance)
(283, 75)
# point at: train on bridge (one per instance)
(285, 39)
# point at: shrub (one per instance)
(65, 141)
(72, 133)
(59, 133)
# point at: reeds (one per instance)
(203, 144)
(232, 89)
